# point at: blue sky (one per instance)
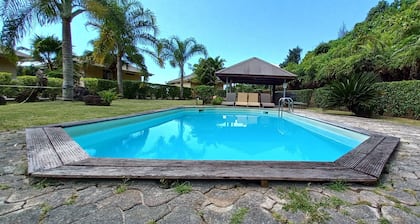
(237, 30)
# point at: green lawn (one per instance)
(15, 116)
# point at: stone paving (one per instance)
(395, 199)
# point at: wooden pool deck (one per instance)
(53, 153)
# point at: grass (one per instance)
(121, 188)
(16, 116)
(339, 186)
(182, 188)
(239, 216)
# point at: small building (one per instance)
(102, 72)
(7, 65)
(189, 82)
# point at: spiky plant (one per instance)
(355, 92)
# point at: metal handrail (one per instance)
(283, 101)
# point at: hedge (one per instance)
(303, 95)
(136, 89)
(399, 99)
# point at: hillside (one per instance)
(386, 43)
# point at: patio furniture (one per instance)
(253, 100)
(266, 100)
(230, 99)
(242, 99)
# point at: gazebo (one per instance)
(255, 71)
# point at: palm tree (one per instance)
(18, 17)
(123, 25)
(46, 49)
(178, 52)
(205, 70)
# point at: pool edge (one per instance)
(361, 164)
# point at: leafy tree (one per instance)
(178, 52)
(292, 57)
(19, 15)
(46, 49)
(122, 25)
(354, 92)
(206, 68)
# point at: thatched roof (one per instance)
(255, 71)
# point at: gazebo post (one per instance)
(273, 92)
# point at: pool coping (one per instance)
(52, 153)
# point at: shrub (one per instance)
(187, 93)
(91, 84)
(107, 96)
(27, 80)
(355, 92)
(320, 97)
(55, 74)
(205, 93)
(5, 78)
(173, 91)
(217, 100)
(131, 89)
(105, 84)
(53, 93)
(399, 98)
(161, 92)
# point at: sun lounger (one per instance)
(253, 100)
(230, 99)
(266, 100)
(242, 99)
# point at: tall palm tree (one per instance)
(178, 52)
(122, 26)
(18, 17)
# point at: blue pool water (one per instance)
(216, 134)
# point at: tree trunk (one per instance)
(181, 88)
(120, 75)
(67, 60)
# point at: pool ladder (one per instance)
(282, 102)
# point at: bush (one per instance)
(55, 74)
(217, 100)
(27, 80)
(205, 93)
(131, 89)
(355, 92)
(95, 85)
(320, 97)
(187, 93)
(5, 78)
(161, 92)
(173, 91)
(107, 96)
(399, 98)
(91, 84)
(105, 84)
(53, 93)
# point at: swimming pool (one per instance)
(52, 152)
(228, 134)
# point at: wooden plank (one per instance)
(354, 157)
(41, 154)
(241, 172)
(374, 163)
(67, 149)
(189, 163)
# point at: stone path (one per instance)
(394, 200)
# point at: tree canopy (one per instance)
(386, 43)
